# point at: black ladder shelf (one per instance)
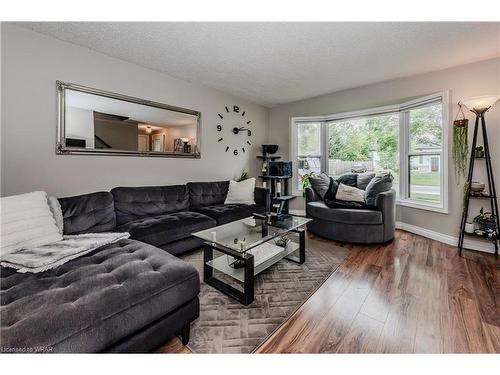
(492, 197)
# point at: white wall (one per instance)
(31, 64)
(465, 81)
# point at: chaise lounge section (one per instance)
(101, 302)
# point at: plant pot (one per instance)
(487, 225)
(270, 149)
(469, 228)
(477, 186)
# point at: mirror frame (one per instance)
(61, 148)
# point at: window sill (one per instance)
(421, 205)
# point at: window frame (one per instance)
(402, 109)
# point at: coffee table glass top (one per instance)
(249, 231)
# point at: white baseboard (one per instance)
(478, 245)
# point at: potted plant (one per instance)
(243, 176)
(304, 181)
(486, 221)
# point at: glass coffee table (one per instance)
(247, 250)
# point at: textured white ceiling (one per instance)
(275, 63)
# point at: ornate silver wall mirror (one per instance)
(92, 121)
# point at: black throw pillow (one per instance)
(349, 179)
(320, 184)
(332, 191)
(377, 185)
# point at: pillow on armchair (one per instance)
(350, 194)
(344, 196)
(349, 179)
(332, 191)
(377, 185)
(364, 179)
(320, 183)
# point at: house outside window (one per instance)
(404, 139)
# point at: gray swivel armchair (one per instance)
(362, 226)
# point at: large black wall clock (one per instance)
(234, 130)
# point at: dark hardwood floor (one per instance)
(413, 295)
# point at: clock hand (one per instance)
(237, 130)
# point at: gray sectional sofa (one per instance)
(130, 296)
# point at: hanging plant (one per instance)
(460, 143)
(243, 176)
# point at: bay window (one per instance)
(309, 149)
(425, 148)
(405, 139)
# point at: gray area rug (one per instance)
(226, 326)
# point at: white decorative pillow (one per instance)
(241, 192)
(350, 193)
(27, 222)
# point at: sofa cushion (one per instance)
(320, 183)
(94, 301)
(203, 194)
(132, 203)
(164, 229)
(225, 213)
(377, 185)
(342, 215)
(88, 213)
(241, 192)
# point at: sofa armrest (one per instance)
(311, 195)
(262, 197)
(386, 202)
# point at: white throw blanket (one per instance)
(46, 257)
(26, 222)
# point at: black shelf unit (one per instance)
(484, 236)
(482, 196)
(492, 197)
(273, 182)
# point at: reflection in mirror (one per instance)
(102, 122)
